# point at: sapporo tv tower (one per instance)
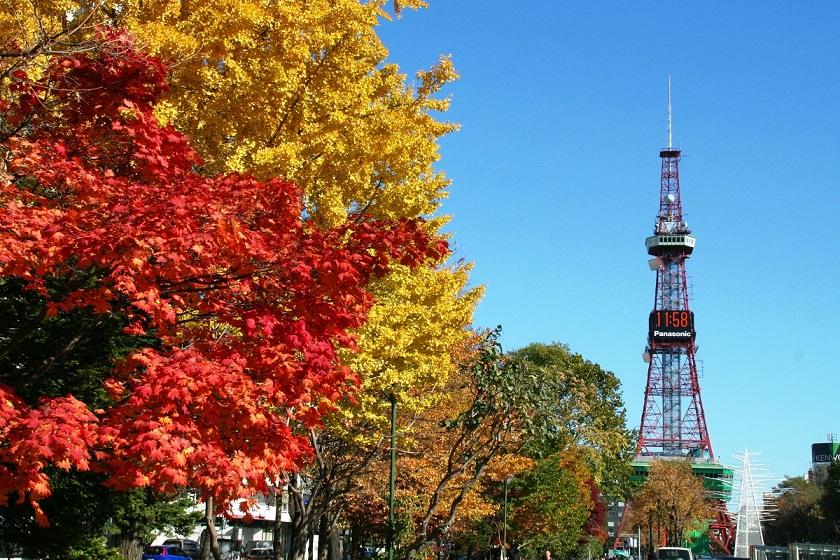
(673, 422)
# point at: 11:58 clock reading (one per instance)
(672, 319)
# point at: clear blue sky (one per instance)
(556, 176)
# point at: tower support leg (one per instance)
(722, 531)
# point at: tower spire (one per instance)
(669, 112)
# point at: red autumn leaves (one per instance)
(248, 302)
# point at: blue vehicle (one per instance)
(164, 552)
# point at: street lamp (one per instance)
(391, 520)
(504, 526)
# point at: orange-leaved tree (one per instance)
(485, 414)
(449, 452)
(670, 502)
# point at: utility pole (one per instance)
(639, 541)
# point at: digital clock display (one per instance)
(665, 325)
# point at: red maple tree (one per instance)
(248, 300)
(596, 524)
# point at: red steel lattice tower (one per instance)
(673, 421)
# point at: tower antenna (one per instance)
(669, 111)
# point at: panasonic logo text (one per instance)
(674, 334)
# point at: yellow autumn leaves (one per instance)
(302, 89)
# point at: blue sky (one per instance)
(556, 176)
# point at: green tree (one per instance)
(831, 497)
(552, 505)
(78, 509)
(84, 515)
(589, 411)
(589, 445)
(799, 516)
(69, 353)
(139, 515)
(543, 414)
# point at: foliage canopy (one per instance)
(248, 302)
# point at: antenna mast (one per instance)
(669, 111)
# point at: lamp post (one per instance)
(504, 526)
(393, 480)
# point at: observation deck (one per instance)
(670, 243)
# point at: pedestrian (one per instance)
(513, 551)
(547, 555)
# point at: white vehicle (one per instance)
(674, 553)
(260, 554)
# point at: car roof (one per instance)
(156, 549)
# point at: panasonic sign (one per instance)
(672, 334)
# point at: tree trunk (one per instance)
(278, 533)
(658, 530)
(323, 537)
(355, 542)
(130, 548)
(335, 552)
(298, 538)
(298, 545)
(304, 514)
(650, 537)
(310, 540)
(209, 539)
